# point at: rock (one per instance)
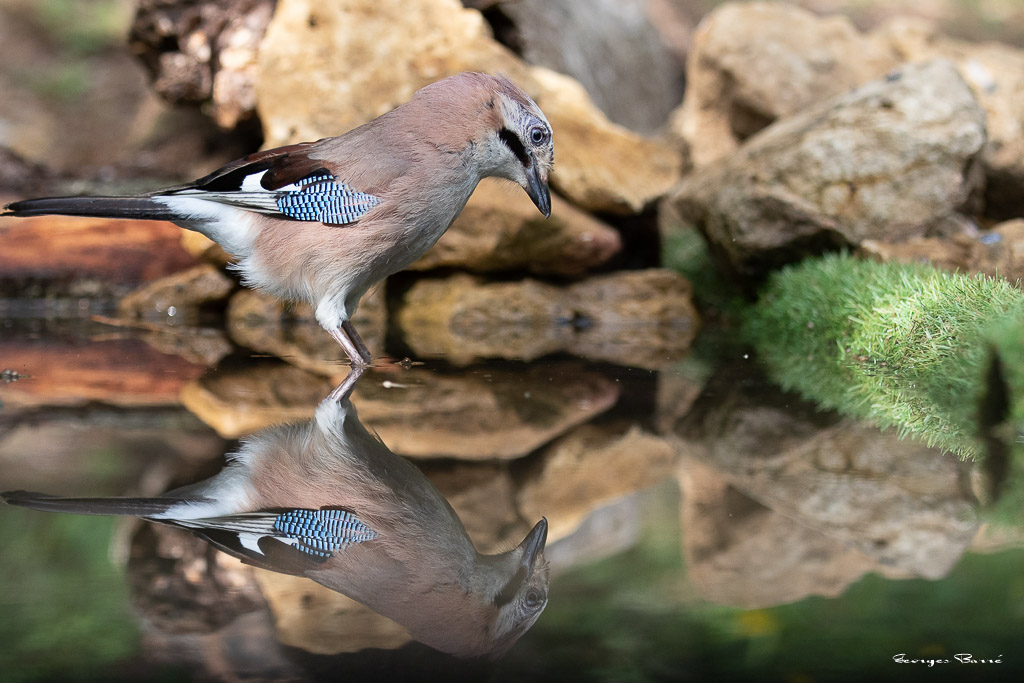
(203, 52)
(242, 401)
(886, 161)
(605, 45)
(501, 229)
(198, 345)
(639, 318)
(740, 553)
(493, 414)
(264, 323)
(600, 166)
(589, 467)
(753, 63)
(177, 293)
(318, 620)
(995, 72)
(89, 256)
(998, 252)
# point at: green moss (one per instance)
(904, 346)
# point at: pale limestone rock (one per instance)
(362, 58)
(501, 229)
(886, 161)
(755, 62)
(590, 467)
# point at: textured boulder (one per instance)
(753, 63)
(601, 166)
(886, 161)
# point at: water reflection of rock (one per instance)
(780, 501)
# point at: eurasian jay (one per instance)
(327, 500)
(325, 221)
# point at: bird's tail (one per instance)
(142, 208)
(136, 507)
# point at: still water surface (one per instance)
(703, 525)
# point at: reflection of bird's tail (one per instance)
(144, 208)
(138, 507)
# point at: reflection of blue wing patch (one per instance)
(321, 532)
(322, 198)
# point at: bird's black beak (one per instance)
(534, 542)
(537, 188)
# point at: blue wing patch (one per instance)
(322, 198)
(322, 532)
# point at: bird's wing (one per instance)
(286, 183)
(291, 541)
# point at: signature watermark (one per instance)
(963, 658)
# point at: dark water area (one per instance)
(703, 524)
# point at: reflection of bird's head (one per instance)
(521, 598)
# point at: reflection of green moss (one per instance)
(901, 345)
(65, 612)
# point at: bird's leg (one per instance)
(356, 350)
(344, 390)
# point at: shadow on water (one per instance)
(701, 523)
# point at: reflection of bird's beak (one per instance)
(533, 544)
(537, 188)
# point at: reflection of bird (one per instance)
(327, 500)
(325, 221)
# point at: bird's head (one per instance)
(522, 593)
(499, 126)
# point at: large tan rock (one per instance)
(755, 62)
(641, 318)
(360, 59)
(590, 467)
(886, 161)
(289, 331)
(995, 72)
(501, 229)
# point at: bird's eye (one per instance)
(533, 598)
(538, 135)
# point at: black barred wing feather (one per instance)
(289, 541)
